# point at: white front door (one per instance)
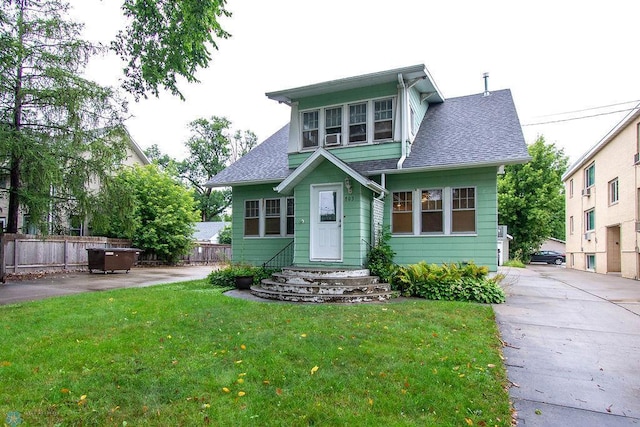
(326, 223)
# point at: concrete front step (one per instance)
(319, 298)
(323, 280)
(308, 288)
(323, 285)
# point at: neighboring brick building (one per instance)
(602, 203)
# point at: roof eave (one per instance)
(513, 161)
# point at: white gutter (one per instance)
(404, 119)
(383, 184)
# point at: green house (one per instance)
(373, 151)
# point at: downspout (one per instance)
(383, 184)
(403, 117)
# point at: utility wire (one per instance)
(592, 108)
(581, 117)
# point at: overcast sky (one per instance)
(556, 56)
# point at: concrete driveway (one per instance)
(572, 347)
(72, 283)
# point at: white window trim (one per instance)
(345, 122)
(586, 223)
(262, 218)
(586, 175)
(447, 211)
(617, 192)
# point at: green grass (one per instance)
(515, 263)
(184, 355)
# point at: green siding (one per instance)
(420, 108)
(253, 250)
(480, 248)
(388, 150)
(378, 91)
(355, 211)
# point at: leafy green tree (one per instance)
(225, 235)
(58, 131)
(149, 207)
(167, 39)
(531, 198)
(211, 147)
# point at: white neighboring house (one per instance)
(503, 244)
(76, 226)
(209, 231)
(552, 244)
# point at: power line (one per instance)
(592, 108)
(581, 117)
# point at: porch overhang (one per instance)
(286, 187)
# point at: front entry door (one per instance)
(326, 223)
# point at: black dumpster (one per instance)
(111, 259)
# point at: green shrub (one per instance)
(380, 258)
(226, 277)
(515, 263)
(450, 282)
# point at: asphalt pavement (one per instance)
(59, 284)
(572, 347)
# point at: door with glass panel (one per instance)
(326, 223)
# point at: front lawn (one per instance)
(184, 354)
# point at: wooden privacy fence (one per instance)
(24, 253)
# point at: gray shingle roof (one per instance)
(474, 129)
(466, 131)
(206, 230)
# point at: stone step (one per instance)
(324, 272)
(319, 298)
(324, 280)
(310, 288)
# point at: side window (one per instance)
(590, 176)
(463, 210)
(310, 129)
(613, 191)
(590, 220)
(432, 215)
(252, 218)
(358, 123)
(290, 216)
(402, 216)
(383, 119)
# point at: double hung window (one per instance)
(590, 176)
(269, 217)
(382, 119)
(434, 211)
(310, 129)
(358, 122)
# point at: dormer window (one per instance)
(358, 123)
(370, 121)
(333, 121)
(310, 129)
(383, 120)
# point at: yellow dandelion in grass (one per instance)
(241, 393)
(314, 370)
(226, 390)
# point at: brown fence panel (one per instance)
(202, 253)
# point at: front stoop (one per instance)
(323, 285)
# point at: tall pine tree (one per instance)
(58, 131)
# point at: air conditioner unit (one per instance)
(636, 158)
(332, 139)
(587, 235)
(586, 191)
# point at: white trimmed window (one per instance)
(402, 212)
(463, 210)
(591, 262)
(383, 120)
(358, 122)
(310, 129)
(590, 220)
(432, 213)
(252, 217)
(440, 211)
(269, 218)
(613, 192)
(590, 175)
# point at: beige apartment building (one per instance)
(602, 204)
